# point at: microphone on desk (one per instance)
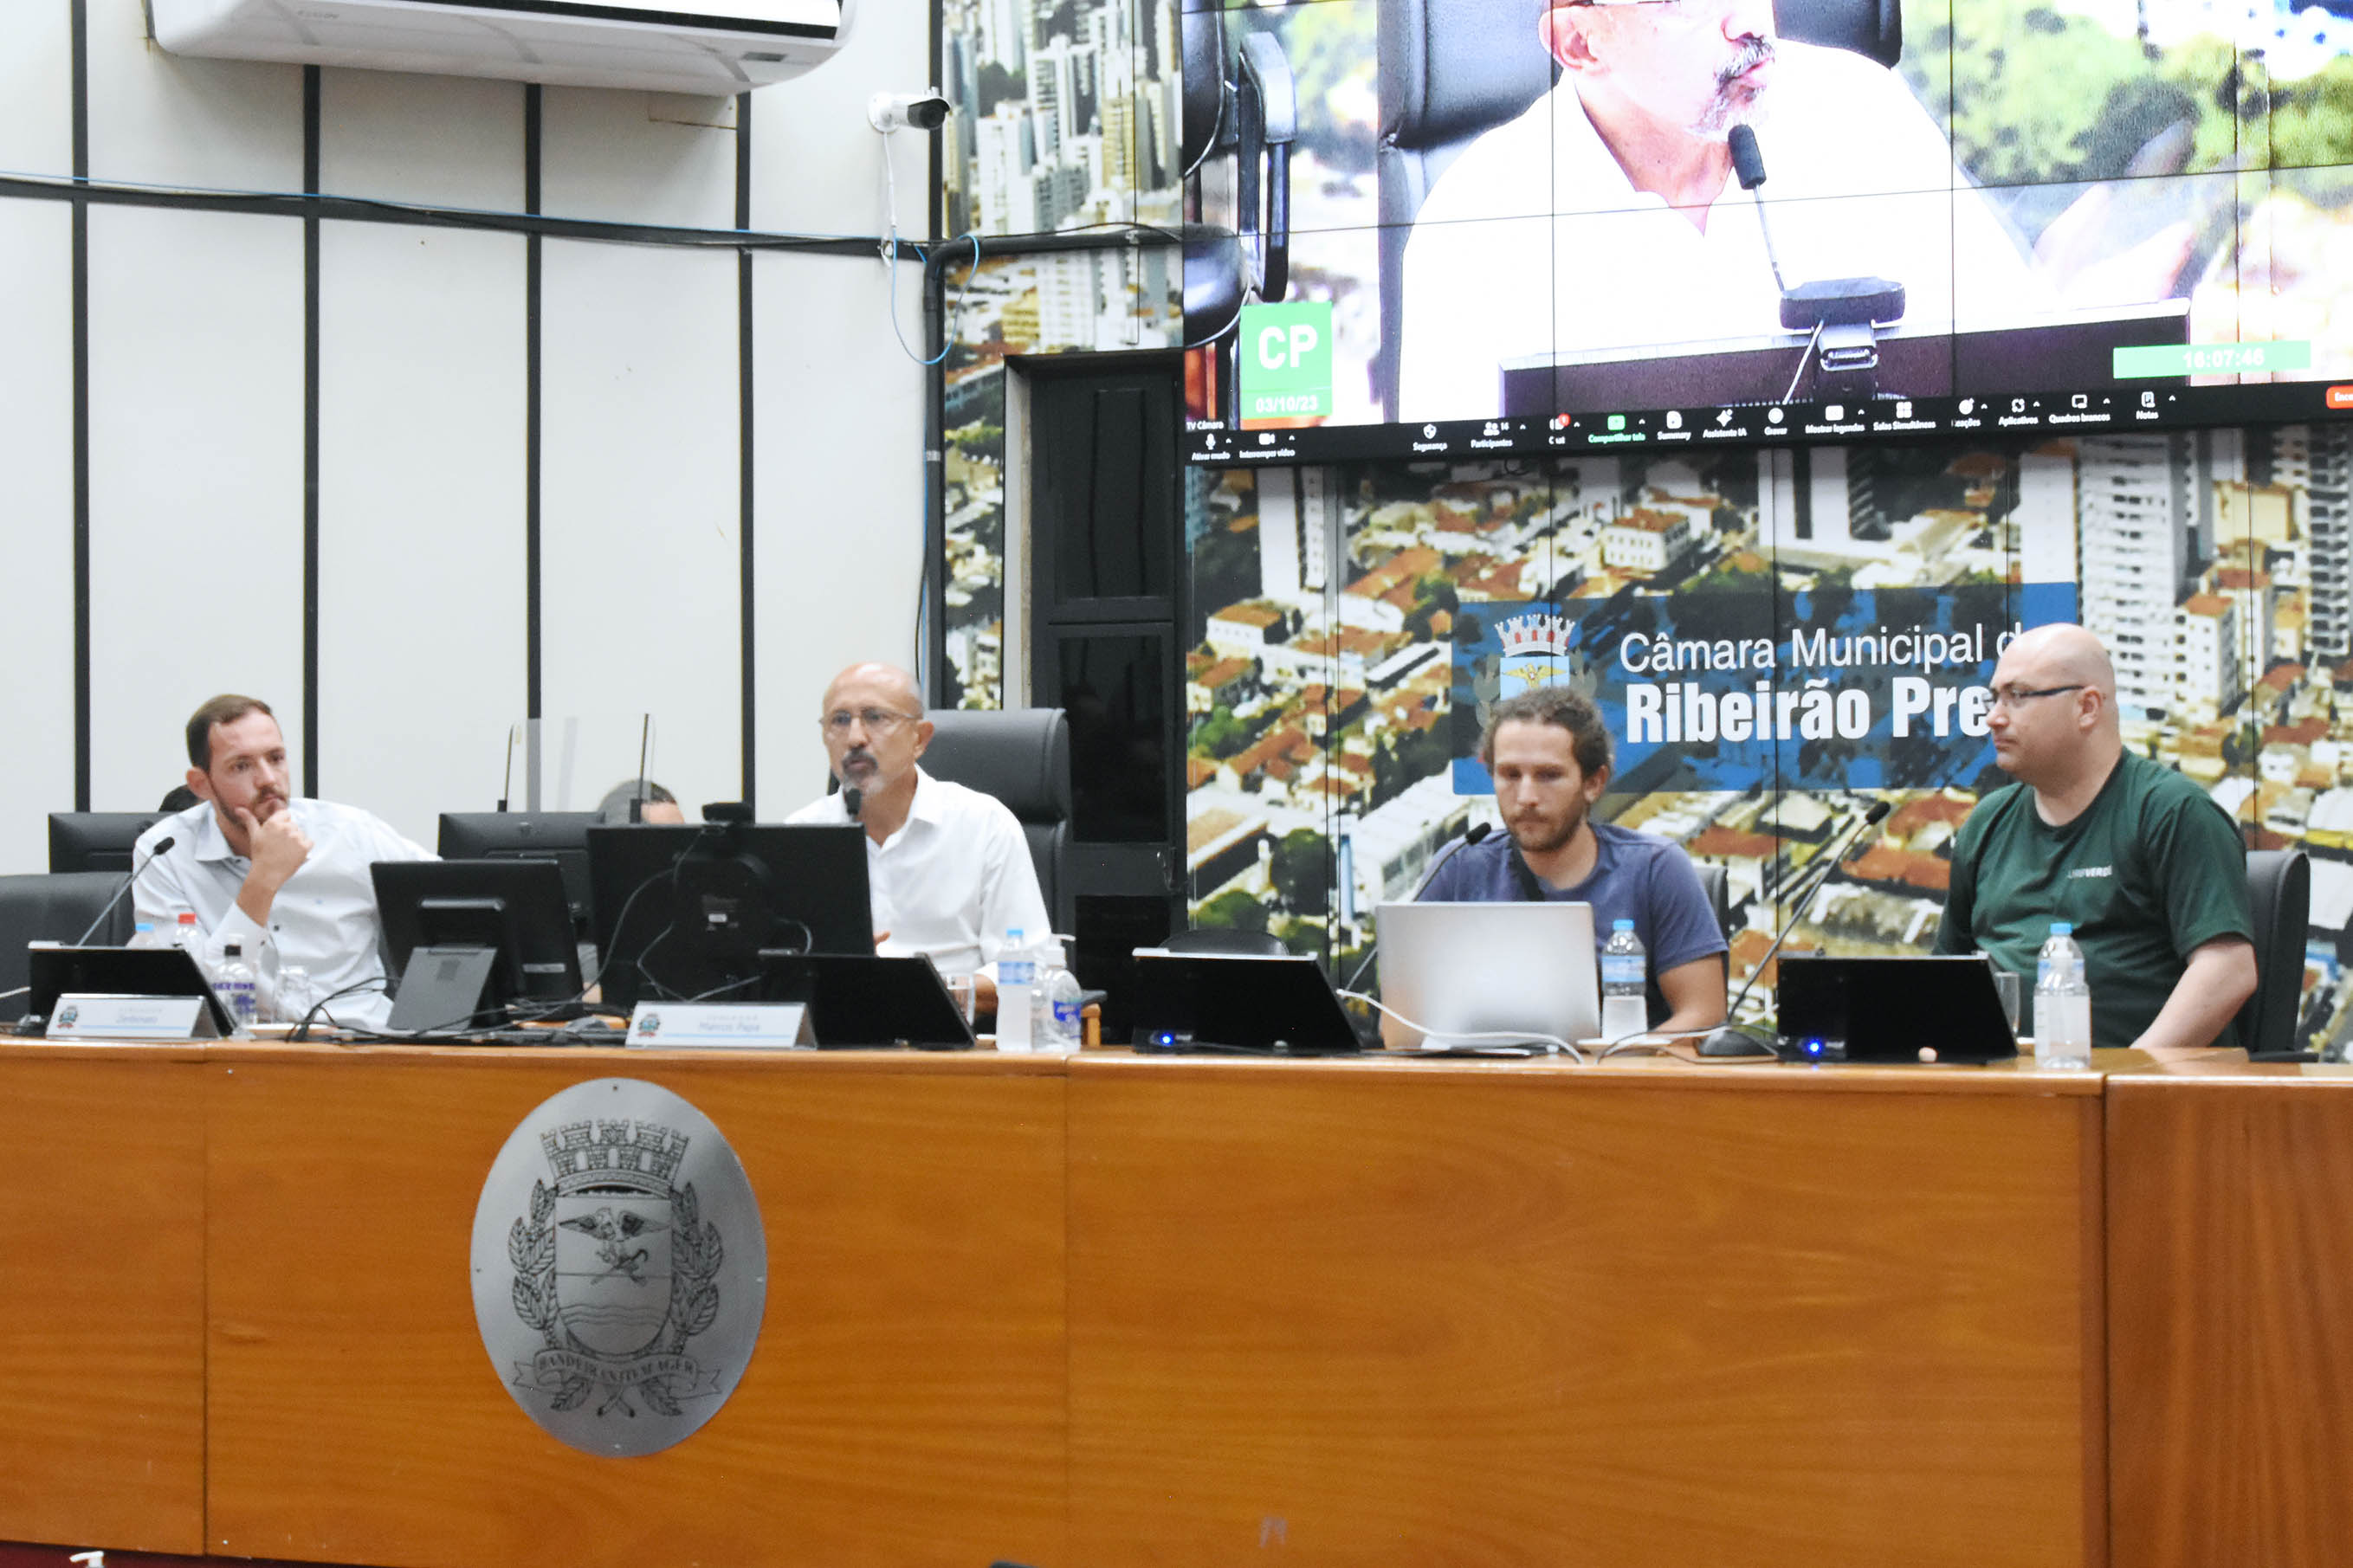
(853, 800)
(162, 845)
(1478, 831)
(1731, 1040)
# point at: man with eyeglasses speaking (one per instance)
(2143, 863)
(948, 869)
(1606, 216)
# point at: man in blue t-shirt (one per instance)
(1548, 752)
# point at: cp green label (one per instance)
(1286, 361)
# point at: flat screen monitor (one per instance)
(561, 837)
(58, 971)
(1421, 230)
(1275, 1005)
(687, 911)
(509, 917)
(865, 999)
(96, 840)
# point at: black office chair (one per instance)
(1452, 71)
(2279, 895)
(1230, 941)
(58, 907)
(96, 840)
(1716, 885)
(1246, 110)
(1022, 756)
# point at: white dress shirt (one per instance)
(1508, 261)
(953, 880)
(322, 920)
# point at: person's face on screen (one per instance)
(247, 768)
(874, 729)
(1541, 792)
(1696, 65)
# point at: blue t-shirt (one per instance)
(1636, 877)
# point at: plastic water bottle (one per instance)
(1059, 1027)
(143, 935)
(234, 986)
(184, 935)
(1625, 975)
(1016, 980)
(2062, 1003)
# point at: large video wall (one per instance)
(1349, 620)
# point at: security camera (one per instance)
(924, 110)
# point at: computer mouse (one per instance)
(1729, 1041)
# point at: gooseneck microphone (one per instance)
(1749, 167)
(853, 800)
(1731, 1040)
(1478, 831)
(161, 846)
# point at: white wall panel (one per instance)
(421, 587)
(37, 91)
(172, 119)
(451, 141)
(816, 166)
(195, 429)
(611, 156)
(639, 505)
(838, 497)
(35, 524)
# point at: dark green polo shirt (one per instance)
(2152, 870)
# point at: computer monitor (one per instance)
(1484, 970)
(467, 937)
(96, 840)
(865, 999)
(1271, 1004)
(558, 835)
(686, 912)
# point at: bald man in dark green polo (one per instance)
(2144, 865)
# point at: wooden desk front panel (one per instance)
(2231, 1271)
(103, 1297)
(905, 1404)
(1438, 1316)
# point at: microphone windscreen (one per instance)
(162, 845)
(853, 800)
(1748, 162)
(1878, 811)
(1478, 831)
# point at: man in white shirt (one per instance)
(948, 868)
(1606, 216)
(287, 880)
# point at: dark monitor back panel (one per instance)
(558, 835)
(533, 919)
(1278, 1006)
(1891, 1008)
(686, 912)
(96, 840)
(865, 1000)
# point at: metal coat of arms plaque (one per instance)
(621, 1269)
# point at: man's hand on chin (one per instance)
(279, 847)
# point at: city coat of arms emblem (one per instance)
(611, 1282)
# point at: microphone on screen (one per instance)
(161, 846)
(1749, 167)
(1478, 831)
(1731, 1040)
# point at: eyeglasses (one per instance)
(875, 721)
(2016, 696)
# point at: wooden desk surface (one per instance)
(1117, 1311)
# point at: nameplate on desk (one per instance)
(102, 1017)
(705, 1025)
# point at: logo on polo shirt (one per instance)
(2092, 871)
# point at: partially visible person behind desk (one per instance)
(1549, 751)
(655, 805)
(285, 879)
(2143, 863)
(948, 867)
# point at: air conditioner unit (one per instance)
(717, 48)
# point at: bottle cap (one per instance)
(187, 917)
(233, 950)
(1621, 925)
(144, 925)
(2061, 928)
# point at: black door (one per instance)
(1106, 532)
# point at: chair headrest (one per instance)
(1451, 69)
(1022, 756)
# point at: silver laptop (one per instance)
(1523, 969)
